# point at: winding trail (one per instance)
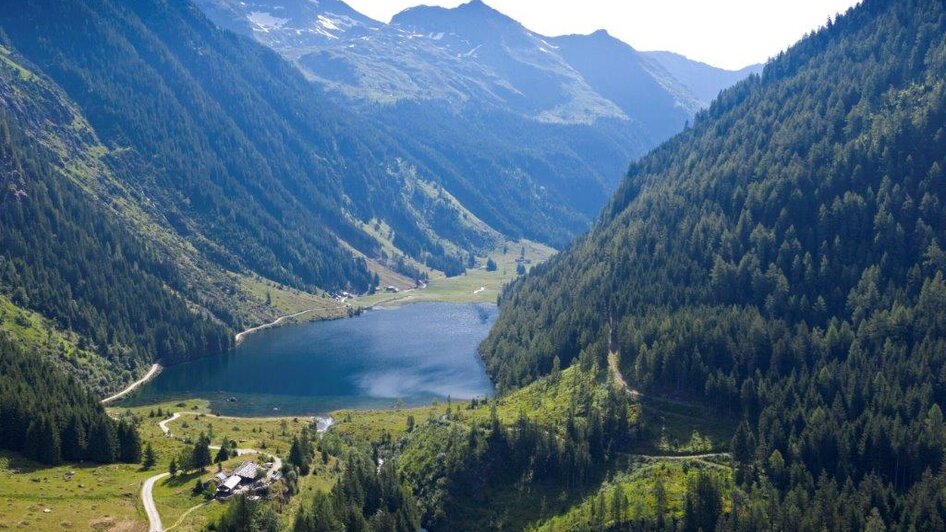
(147, 489)
(164, 424)
(185, 514)
(614, 365)
(152, 373)
(147, 498)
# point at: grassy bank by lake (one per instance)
(477, 285)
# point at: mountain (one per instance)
(163, 174)
(529, 138)
(780, 263)
(703, 81)
(70, 251)
(288, 25)
(625, 77)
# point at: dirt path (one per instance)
(147, 495)
(240, 336)
(614, 364)
(183, 515)
(152, 373)
(164, 424)
(705, 458)
(147, 498)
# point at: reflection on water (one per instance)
(414, 354)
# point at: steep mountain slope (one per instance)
(66, 252)
(530, 139)
(246, 158)
(48, 416)
(703, 81)
(781, 261)
(624, 76)
(158, 169)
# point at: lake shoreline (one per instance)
(153, 372)
(425, 352)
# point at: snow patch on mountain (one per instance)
(328, 23)
(266, 22)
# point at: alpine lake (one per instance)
(410, 356)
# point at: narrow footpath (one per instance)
(614, 364)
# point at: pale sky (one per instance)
(724, 33)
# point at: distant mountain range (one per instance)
(560, 117)
(474, 54)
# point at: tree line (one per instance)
(50, 418)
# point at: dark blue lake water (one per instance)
(415, 353)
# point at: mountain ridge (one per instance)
(437, 78)
(780, 263)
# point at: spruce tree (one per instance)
(223, 454)
(200, 456)
(149, 458)
(129, 442)
(74, 439)
(103, 442)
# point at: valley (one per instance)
(80, 496)
(277, 265)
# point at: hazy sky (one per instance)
(724, 33)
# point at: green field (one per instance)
(92, 497)
(284, 301)
(476, 286)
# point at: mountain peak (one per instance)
(470, 18)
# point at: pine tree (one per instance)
(742, 450)
(223, 454)
(297, 456)
(73, 439)
(617, 506)
(149, 459)
(703, 504)
(200, 456)
(660, 496)
(42, 442)
(129, 443)
(103, 442)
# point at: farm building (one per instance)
(243, 475)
